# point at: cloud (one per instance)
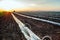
(38, 4)
(11, 4)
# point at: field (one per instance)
(41, 28)
(9, 29)
(53, 16)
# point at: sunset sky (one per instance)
(28, 5)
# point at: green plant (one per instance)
(1, 14)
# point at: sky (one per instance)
(42, 5)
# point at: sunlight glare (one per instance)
(8, 5)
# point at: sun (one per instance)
(9, 4)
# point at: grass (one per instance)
(1, 14)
